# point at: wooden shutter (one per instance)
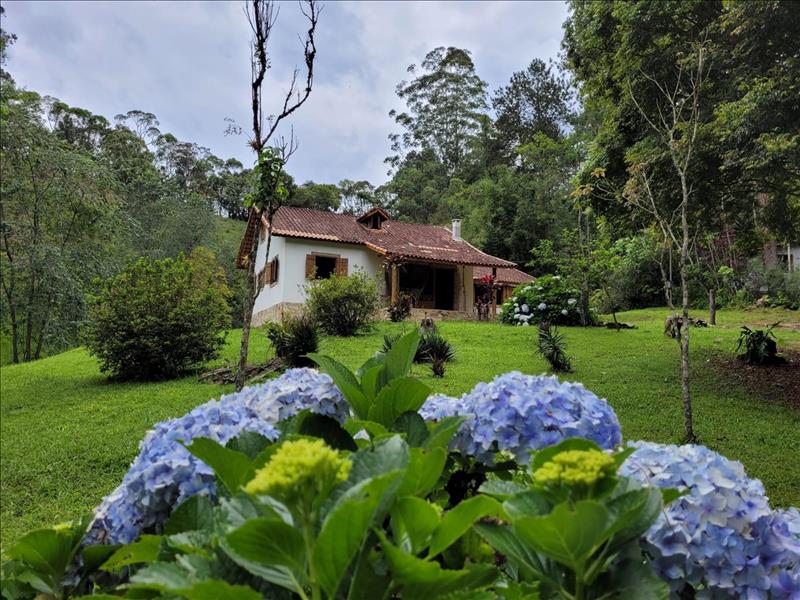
(341, 266)
(273, 276)
(311, 266)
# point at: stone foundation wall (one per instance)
(278, 311)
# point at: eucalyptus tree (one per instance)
(446, 100)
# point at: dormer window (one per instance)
(373, 218)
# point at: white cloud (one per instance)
(188, 63)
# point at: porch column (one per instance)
(395, 283)
(494, 294)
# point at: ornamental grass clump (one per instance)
(721, 538)
(164, 474)
(293, 339)
(518, 413)
(551, 346)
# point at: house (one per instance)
(432, 263)
(785, 255)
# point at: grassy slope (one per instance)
(67, 435)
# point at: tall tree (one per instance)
(446, 100)
(536, 100)
(270, 189)
(319, 196)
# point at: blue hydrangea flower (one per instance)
(518, 413)
(721, 537)
(164, 474)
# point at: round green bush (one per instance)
(159, 318)
(547, 299)
(343, 305)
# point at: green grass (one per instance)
(67, 435)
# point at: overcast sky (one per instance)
(189, 64)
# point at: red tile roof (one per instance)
(397, 240)
(505, 276)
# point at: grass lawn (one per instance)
(67, 435)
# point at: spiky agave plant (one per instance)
(293, 339)
(551, 345)
(437, 351)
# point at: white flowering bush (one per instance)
(547, 299)
(721, 537)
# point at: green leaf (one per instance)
(400, 357)
(422, 579)
(415, 518)
(399, 396)
(249, 443)
(671, 494)
(458, 520)
(269, 542)
(353, 426)
(389, 454)
(281, 576)
(216, 589)
(346, 382)
(413, 426)
(232, 468)
(327, 428)
(501, 490)
(503, 539)
(528, 503)
(144, 550)
(443, 431)
(94, 556)
(195, 513)
(50, 551)
(567, 536)
(376, 361)
(371, 382)
(633, 512)
(346, 526)
(162, 576)
(424, 470)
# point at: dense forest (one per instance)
(562, 169)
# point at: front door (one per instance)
(445, 284)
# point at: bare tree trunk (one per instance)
(712, 306)
(685, 392)
(250, 299)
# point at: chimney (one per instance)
(456, 229)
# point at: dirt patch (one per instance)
(777, 383)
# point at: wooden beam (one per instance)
(395, 283)
(494, 294)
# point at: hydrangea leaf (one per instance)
(345, 527)
(194, 513)
(249, 443)
(503, 539)
(353, 426)
(217, 589)
(415, 519)
(144, 550)
(424, 469)
(232, 468)
(346, 382)
(413, 426)
(422, 579)
(269, 542)
(370, 381)
(501, 490)
(400, 356)
(457, 521)
(320, 426)
(567, 535)
(399, 396)
(528, 503)
(443, 431)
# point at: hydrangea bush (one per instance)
(548, 298)
(518, 413)
(721, 537)
(164, 474)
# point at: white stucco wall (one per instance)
(291, 253)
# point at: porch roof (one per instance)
(397, 240)
(504, 276)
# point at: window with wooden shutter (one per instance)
(311, 266)
(273, 275)
(341, 266)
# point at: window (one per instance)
(322, 266)
(269, 274)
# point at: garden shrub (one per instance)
(294, 338)
(159, 318)
(758, 347)
(437, 351)
(401, 308)
(548, 299)
(343, 305)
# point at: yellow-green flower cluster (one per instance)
(575, 468)
(298, 466)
